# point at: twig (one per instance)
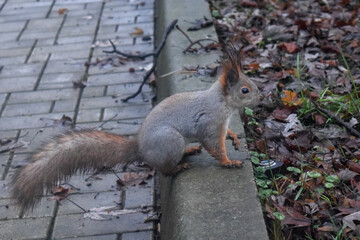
(187, 36)
(142, 57)
(76, 204)
(197, 42)
(156, 56)
(192, 43)
(102, 124)
(338, 120)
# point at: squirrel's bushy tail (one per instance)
(68, 153)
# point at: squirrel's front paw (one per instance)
(233, 164)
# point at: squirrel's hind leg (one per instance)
(165, 150)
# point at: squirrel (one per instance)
(161, 142)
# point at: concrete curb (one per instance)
(207, 201)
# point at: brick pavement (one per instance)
(44, 45)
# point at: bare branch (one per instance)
(156, 56)
(338, 120)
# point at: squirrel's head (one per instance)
(238, 89)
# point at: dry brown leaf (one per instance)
(290, 98)
(61, 11)
(137, 31)
(290, 47)
(135, 179)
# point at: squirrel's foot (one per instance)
(182, 167)
(232, 164)
(234, 138)
(192, 150)
(236, 143)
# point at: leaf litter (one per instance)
(304, 57)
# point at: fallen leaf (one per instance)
(290, 47)
(290, 98)
(135, 179)
(60, 193)
(62, 11)
(137, 31)
(352, 220)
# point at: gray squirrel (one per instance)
(161, 142)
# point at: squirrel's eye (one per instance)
(245, 90)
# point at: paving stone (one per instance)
(77, 39)
(19, 159)
(36, 137)
(122, 127)
(43, 96)
(116, 3)
(24, 15)
(70, 2)
(9, 210)
(97, 237)
(93, 184)
(64, 105)
(103, 41)
(51, 23)
(127, 112)
(34, 121)
(12, 26)
(10, 36)
(45, 208)
(119, 6)
(78, 31)
(24, 228)
(93, 91)
(92, 115)
(2, 98)
(17, 44)
(145, 18)
(18, 84)
(19, 70)
(75, 225)
(38, 34)
(139, 196)
(80, 21)
(59, 80)
(113, 21)
(115, 78)
(4, 190)
(12, 60)
(61, 52)
(133, 49)
(88, 201)
(8, 134)
(126, 89)
(31, 6)
(70, 55)
(26, 109)
(127, 11)
(4, 159)
(98, 102)
(122, 68)
(145, 235)
(75, 12)
(65, 66)
(61, 77)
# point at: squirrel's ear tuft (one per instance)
(231, 57)
(232, 78)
